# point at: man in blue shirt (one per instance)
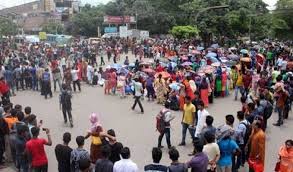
(8, 75)
(157, 156)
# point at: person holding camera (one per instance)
(36, 151)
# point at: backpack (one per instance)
(160, 122)
(268, 111)
(247, 132)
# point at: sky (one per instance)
(10, 3)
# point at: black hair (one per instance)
(28, 110)
(279, 78)
(35, 131)
(188, 98)
(174, 154)
(111, 132)
(209, 137)
(201, 103)
(21, 129)
(261, 96)
(197, 144)
(84, 164)
(243, 99)
(13, 112)
(20, 116)
(7, 108)
(289, 142)
(251, 106)
(66, 137)
(230, 119)
(125, 153)
(258, 124)
(240, 115)
(209, 120)
(18, 107)
(31, 118)
(156, 154)
(80, 140)
(106, 151)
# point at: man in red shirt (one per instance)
(4, 91)
(35, 149)
(247, 80)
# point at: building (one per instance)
(30, 17)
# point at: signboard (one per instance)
(42, 35)
(144, 34)
(119, 19)
(123, 33)
(110, 30)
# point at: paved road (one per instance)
(134, 130)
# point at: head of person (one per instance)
(106, 151)
(251, 107)
(173, 154)
(35, 131)
(279, 78)
(46, 70)
(160, 76)
(187, 99)
(32, 120)
(27, 110)
(21, 130)
(64, 87)
(209, 137)
(80, 141)
(201, 105)
(198, 145)
(84, 165)
(209, 120)
(111, 132)
(13, 112)
(229, 119)
(157, 155)
(256, 125)
(125, 153)
(66, 137)
(289, 144)
(243, 99)
(7, 109)
(20, 116)
(240, 115)
(18, 107)
(196, 94)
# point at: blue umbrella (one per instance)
(200, 48)
(244, 51)
(116, 66)
(215, 46)
(211, 54)
(175, 86)
(122, 70)
(173, 64)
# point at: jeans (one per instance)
(22, 163)
(66, 111)
(11, 86)
(184, 130)
(47, 89)
(59, 84)
(137, 100)
(167, 134)
(43, 168)
(35, 83)
(240, 88)
(19, 81)
(241, 158)
(150, 92)
(280, 115)
(77, 82)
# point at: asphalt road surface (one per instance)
(135, 130)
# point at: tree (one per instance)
(7, 27)
(184, 31)
(54, 28)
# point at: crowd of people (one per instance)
(180, 75)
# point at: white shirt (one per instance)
(125, 165)
(211, 150)
(138, 89)
(201, 115)
(74, 75)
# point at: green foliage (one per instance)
(7, 27)
(184, 31)
(53, 28)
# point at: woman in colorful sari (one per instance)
(113, 82)
(160, 89)
(218, 86)
(204, 91)
(79, 67)
(97, 136)
(182, 95)
(224, 84)
(286, 157)
(107, 86)
(121, 83)
(188, 89)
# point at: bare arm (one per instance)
(49, 143)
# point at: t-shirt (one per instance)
(138, 88)
(104, 165)
(269, 55)
(35, 147)
(155, 168)
(199, 162)
(178, 167)
(115, 152)
(62, 153)
(211, 150)
(188, 114)
(239, 81)
(227, 147)
(275, 73)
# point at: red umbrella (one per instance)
(184, 57)
(164, 75)
(148, 70)
(195, 52)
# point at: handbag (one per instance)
(96, 140)
(277, 167)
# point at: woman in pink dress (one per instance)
(204, 91)
(113, 82)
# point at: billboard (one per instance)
(123, 31)
(119, 19)
(110, 30)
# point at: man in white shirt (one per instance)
(202, 113)
(74, 73)
(138, 92)
(125, 164)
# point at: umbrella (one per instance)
(200, 48)
(195, 52)
(211, 54)
(233, 48)
(175, 86)
(216, 64)
(244, 51)
(173, 64)
(215, 46)
(148, 70)
(131, 65)
(116, 66)
(184, 57)
(122, 70)
(260, 55)
(172, 58)
(233, 57)
(144, 63)
(163, 64)
(164, 75)
(186, 64)
(245, 59)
